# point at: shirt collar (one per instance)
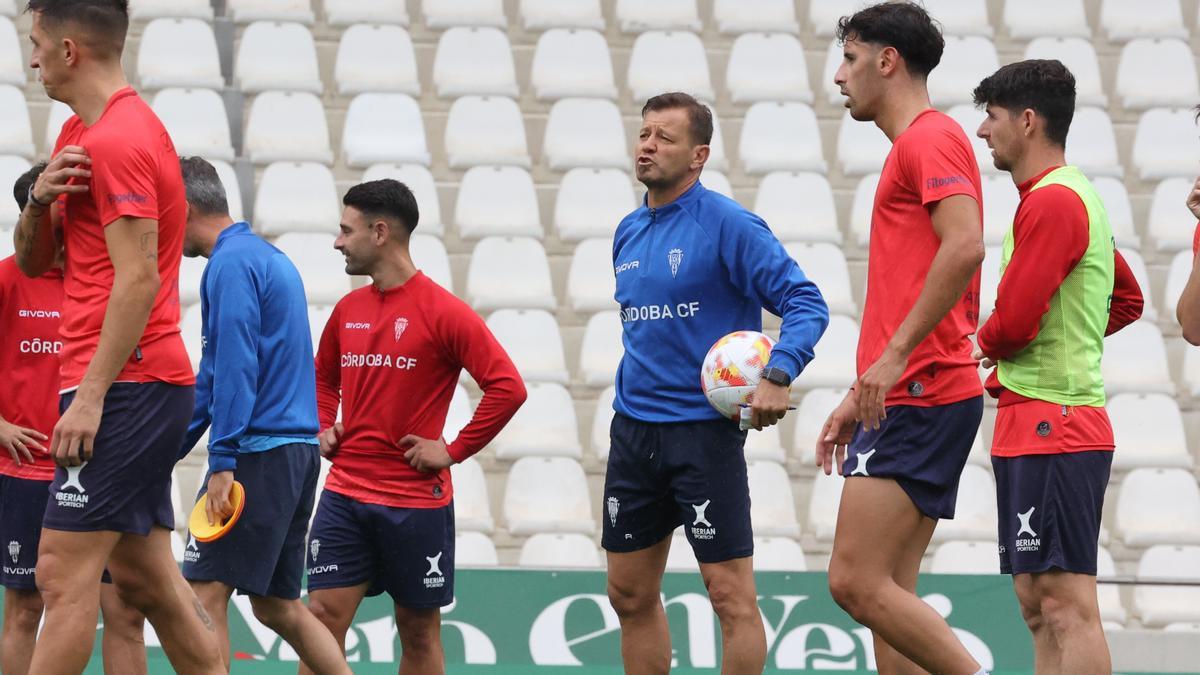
(682, 200)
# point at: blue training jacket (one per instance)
(689, 273)
(257, 385)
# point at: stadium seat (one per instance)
(429, 255)
(570, 62)
(544, 426)
(1160, 605)
(602, 421)
(245, 11)
(1120, 211)
(472, 508)
(778, 554)
(179, 53)
(1148, 429)
(744, 16)
(533, 341)
(823, 502)
(965, 557)
(1079, 56)
(1108, 595)
(474, 60)
(834, 366)
(1092, 144)
(811, 414)
(458, 415)
(590, 282)
(989, 282)
(965, 62)
(974, 511)
(233, 190)
(16, 131)
(190, 271)
(1136, 360)
(767, 67)
(383, 127)
(1137, 265)
(1146, 18)
(765, 445)
(543, 14)
(1177, 277)
(474, 549)
(825, 265)
(418, 179)
(6, 243)
(1141, 81)
(1165, 144)
(497, 201)
(718, 160)
(296, 197)
(339, 13)
(1183, 627)
(1170, 223)
(58, 116)
(177, 546)
(12, 63)
(1000, 200)
(318, 317)
(798, 207)
(285, 126)
(509, 272)
(601, 350)
(823, 15)
(1191, 369)
(716, 181)
(582, 132)
(547, 494)
(636, 16)
(485, 130)
(197, 121)
(979, 455)
(449, 13)
(191, 327)
(781, 137)
(1027, 19)
(862, 208)
(668, 61)
(1158, 506)
(591, 202)
(322, 267)
(146, 10)
(681, 557)
(833, 59)
(772, 505)
(11, 168)
(861, 147)
(961, 17)
(376, 58)
(277, 56)
(969, 118)
(559, 551)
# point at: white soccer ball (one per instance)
(732, 369)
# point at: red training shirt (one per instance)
(930, 160)
(1196, 240)
(135, 174)
(392, 358)
(29, 317)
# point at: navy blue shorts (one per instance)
(126, 486)
(263, 554)
(1049, 508)
(22, 504)
(407, 553)
(663, 475)
(923, 449)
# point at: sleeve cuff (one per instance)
(219, 461)
(787, 363)
(458, 452)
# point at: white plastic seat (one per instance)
(825, 265)
(974, 511)
(717, 158)
(485, 130)
(681, 557)
(509, 272)
(961, 17)
(448, 13)
(287, 126)
(716, 181)
(969, 118)
(177, 546)
(197, 121)
(458, 415)
(179, 53)
(1158, 506)
(823, 15)
(1000, 200)
(767, 67)
(602, 421)
(497, 201)
(559, 551)
(1079, 56)
(778, 554)
(833, 59)
(781, 137)
(1166, 144)
(277, 56)
(1177, 277)
(429, 255)
(146, 10)
(296, 197)
(544, 426)
(16, 131)
(798, 207)
(318, 317)
(989, 282)
(1149, 432)
(636, 16)
(57, 117)
(1035, 18)
(321, 267)
(834, 365)
(965, 557)
(533, 341)
(823, 502)
(772, 505)
(591, 286)
(547, 494)
(346, 12)
(474, 60)
(765, 445)
(543, 14)
(744, 16)
(862, 208)
(1140, 274)
(601, 350)
(591, 202)
(1141, 81)
(668, 61)
(965, 62)
(11, 168)
(1135, 359)
(474, 549)
(191, 327)
(472, 508)
(1170, 223)
(1182, 627)
(1146, 18)
(1092, 143)
(419, 180)
(810, 415)
(569, 62)
(1120, 211)
(376, 58)
(861, 147)
(6, 243)
(1159, 605)
(12, 63)
(1108, 595)
(245, 11)
(190, 271)
(583, 132)
(384, 128)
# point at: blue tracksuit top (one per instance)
(257, 384)
(689, 273)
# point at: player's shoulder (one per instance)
(1054, 197)
(933, 127)
(438, 300)
(715, 212)
(8, 270)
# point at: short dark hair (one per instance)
(1044, 86)
(700, 119)
(104, 19)
(905, 26)
(24, 181)
(385, 198)
(205, 192)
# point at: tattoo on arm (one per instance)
(150, 245)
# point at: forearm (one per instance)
(33, 241)
(949, 276)
(1188, 309)
(124, 323)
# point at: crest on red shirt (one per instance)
(400, 325)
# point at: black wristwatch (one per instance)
(777, 376)
(35, 201)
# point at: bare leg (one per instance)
(1062, 612)
(335, 608)
(731, 590)
(22, 613)
(123, 644)
(214, 595)
(908, 568)
(308, 636)
(420, 641)
(634, 589)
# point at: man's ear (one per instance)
(888, 60)
(700, 155)
(70, 50)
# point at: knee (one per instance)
(851, 593)
(57, 581)
(274, 613)
(133, 599)
(333, 618)
(732, 601)
(420, 635)
(1031, 610)
(631, 600)
(24, 611)
(1062, 616)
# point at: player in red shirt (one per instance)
(911, 417)
(126, 379)
(1187, 312)
(390, 356)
